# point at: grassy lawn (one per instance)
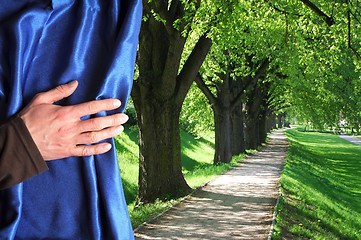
(321, 189)
(197, 162)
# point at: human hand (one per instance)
(59, 132)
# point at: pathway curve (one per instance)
(236, 205)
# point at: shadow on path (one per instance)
(236, 205)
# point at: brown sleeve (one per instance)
(20, 159)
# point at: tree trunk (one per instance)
(263, 115)
(271, 122)
(160, 169)
(262, 123)
(223, 125)
(279, 120)
(251, 136)
(221, 105)
(238, 144)
(253, 109)
(251, 130)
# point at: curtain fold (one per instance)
(44, 44)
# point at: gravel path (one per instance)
(236, 205)
(349, 138)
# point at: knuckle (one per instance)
(68, 114)
(86, 151)
(96, 124)
(62, 130)
(64, 127)
(61, 116)
(61, 89)
(93, 137)
(38, 98)
(91, 106)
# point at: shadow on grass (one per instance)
(322, 188)
(304, 222)
(130, 191)
(191, 143)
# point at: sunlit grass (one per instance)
(197, 167)
(197, 159)
(128, 158)
(321, 189)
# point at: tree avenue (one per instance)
(235, 70)
(252, 60)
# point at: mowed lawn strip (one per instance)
(321, 189)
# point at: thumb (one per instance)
(58, 93)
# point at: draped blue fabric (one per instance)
(44, 44)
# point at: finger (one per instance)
(97, 136)
(84, 150)
(99, 123)
(95, 106)
(58, 93)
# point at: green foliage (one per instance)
(247, 33)
(321, 189)
(131, 112)
(317, 78)
(196, 115)
(313, 64)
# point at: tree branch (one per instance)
(211, 85)
(203, 87)
(250, 84)
(191, 66)
(349, 35)
(277, 9)
(173, 9)
(160, 7)
(220, 75)
(329, 20)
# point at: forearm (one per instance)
(20, 158)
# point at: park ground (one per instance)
(320, 192)
(236, 205)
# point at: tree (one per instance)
(159, 92)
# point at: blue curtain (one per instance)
(44, 44)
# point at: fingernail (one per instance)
(118, 130)
(107, 147)
(124, 118)
(73, 83)
(116, 103)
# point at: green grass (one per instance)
(197, 163)
(321, 189)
